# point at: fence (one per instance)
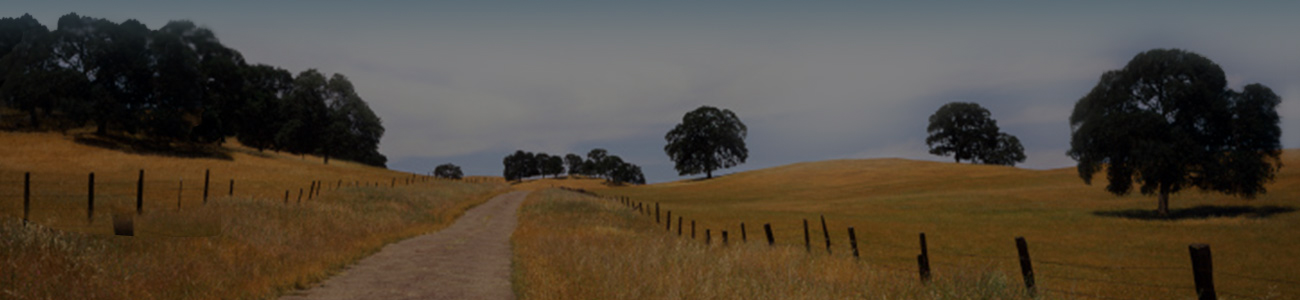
(1202, 271)
(144, 192)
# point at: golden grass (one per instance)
(570, 246)
(971, 215)
(246, 246)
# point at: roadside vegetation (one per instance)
(248, 246)
(1085, 242)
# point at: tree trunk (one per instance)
(708, 174)
(1163, 208)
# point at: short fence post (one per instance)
(923, 261)
(1203, 271)
(656, 212)
(807, 242)
(27, 196)
(232, 187)
(206, 177)
(311, 190)
(1026, 268)
(669, 220)
(708, 237)
(90, 199)
(679, 226)
(139, 194)
(853, 241)
(692, 229)
(724, 237)
(179, 191)
(299, 195)
(767, 227)
(743, 238)
(827, 233)
(286, 196)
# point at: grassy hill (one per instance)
(251, 244)
(1083, 240)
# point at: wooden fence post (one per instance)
(1026, 268)
(679, 226)
(708, 237)
(692, 229)
(286, 196)
(90, 199)
(669, 220)
(807, 242)
(743, 238)
(206, 177)
(311, 190)
(923, 261)
(27, 196)
(853, 241)
(656, 212)
(827, 233)
(139, 194)
(232, 187)
(767, 227)
(180, 189)
(299, 195)
(724, 237)
(1203, 271)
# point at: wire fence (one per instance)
(1060, 272)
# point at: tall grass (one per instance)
(570, 246)
(1084, 241)
(249, 246)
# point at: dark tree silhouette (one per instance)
(574, 163)
(708, 139)
(1167, 121)
(449, 171)
(967, 132)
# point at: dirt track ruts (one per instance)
(468, 260)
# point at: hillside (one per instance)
(262, 240)
(1087, 239)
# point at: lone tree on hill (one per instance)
(1168, 121)
(448, 171)
(967, 132)
(707, 139)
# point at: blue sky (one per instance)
(469, 82)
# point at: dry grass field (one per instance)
(1084, 242)
(247, 245)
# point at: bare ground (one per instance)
(468, 260)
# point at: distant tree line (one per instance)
(598, 163)
(177, 83)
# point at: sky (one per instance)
(469, 82)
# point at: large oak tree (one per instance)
(1167, 121)
(708, 139)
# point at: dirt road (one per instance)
(469, 260)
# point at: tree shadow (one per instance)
(1200, 212)
(152, 147)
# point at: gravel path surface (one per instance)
(468, 260)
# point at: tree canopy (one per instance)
(448, 171)
(968, 132)
(599, 162)
(708, 139)
(177, 83)
(1167, 121)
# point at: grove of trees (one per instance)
(1168, 121)
(599, 163)
(708, 139)
(177, 83)
(968, 132)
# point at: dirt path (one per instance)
(469, 260)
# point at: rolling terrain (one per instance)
(1084, 241)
